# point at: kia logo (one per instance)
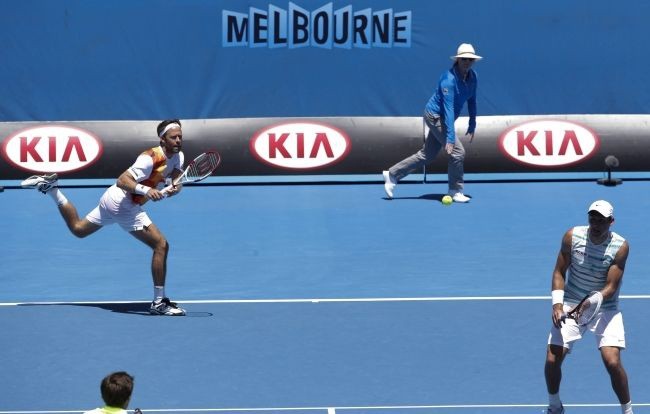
(52, 148)
(300, 145)
(549, 143)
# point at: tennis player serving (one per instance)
(585, 288)
(122, 204)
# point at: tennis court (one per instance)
(307, 298)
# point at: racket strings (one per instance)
(584, 316)
(589, 308)
(203, 166)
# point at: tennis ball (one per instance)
(447, 200)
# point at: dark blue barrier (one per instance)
(207, 59)
(329, 145)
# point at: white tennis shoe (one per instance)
(389, 183)
(166, 307)
(42, 183)
(459, 197)
(555, 410)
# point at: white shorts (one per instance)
(116, 206)
(607, 327)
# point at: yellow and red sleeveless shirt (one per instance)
(157, 175)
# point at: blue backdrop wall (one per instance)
(144, 59)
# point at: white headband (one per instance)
(168, 127)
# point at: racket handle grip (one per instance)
(165, 190)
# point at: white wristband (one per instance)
(141, 189)
(557, 296)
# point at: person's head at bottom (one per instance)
(116, 389)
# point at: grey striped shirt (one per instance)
(589, 266)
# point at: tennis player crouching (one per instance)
(122, 204)
(591, 258)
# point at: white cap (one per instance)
(602, 207)
(465, 50)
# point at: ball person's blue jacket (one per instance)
(450, 96)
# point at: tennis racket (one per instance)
(585, 311)
(200, 168)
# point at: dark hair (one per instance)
(164, 123)
(116, 389)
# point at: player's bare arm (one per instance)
(127, 183)
(615, 272)
(178, 187)
(559, 274)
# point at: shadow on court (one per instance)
(131, 308)
(429, 197)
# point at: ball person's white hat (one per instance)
(465, 50)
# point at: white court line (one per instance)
(317, 300)
(332, 410)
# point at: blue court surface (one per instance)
(313, 299)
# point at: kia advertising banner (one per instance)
(364, 145)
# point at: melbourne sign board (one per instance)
(326, 27)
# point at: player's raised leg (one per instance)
(152, 237)
(79, 227)
(49, 184)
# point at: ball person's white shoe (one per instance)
(459, 197)
(389, 183)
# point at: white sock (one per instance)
(57, 196)
(158, 292)
(627, 408)
(554, 400)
